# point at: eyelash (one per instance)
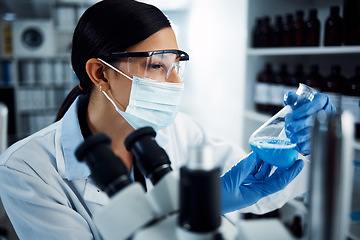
(157, 66)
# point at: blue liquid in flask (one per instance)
(275, 151)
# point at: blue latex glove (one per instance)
(299, 123)
(249, 181)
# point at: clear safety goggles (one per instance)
(156, 65)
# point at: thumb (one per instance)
(237, 174)
(290, 98)
(281, 178)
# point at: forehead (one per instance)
(161, 40)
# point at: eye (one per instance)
(155, 66)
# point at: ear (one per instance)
(95, 70)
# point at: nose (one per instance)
(174, 77)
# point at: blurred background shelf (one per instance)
(303, 51)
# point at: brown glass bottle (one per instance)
(278, 31)
(277, 89)
(333, 85)
(312, 29)
(261, 96)
(351, 22)
(314, 79)
(299, 29)
(299, 74)
(333, 28)
(257, 33)
(291, 83)
(266, 33)
(350, 99)
(288, 36)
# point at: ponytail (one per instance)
(69, 99)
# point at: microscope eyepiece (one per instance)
(152, 160)
(107, 170)
(138, 134)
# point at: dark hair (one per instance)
(106, 27)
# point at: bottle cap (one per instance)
(300, 14)
(357, 70)
(334, 10)
(314, 68)
(335, 69)
(289, 17)
(313, 13)
(278, 18)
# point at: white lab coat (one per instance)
(35, 170)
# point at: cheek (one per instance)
(121, 91)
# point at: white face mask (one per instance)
(151, 103)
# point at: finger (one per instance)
(237, 174)
(293, 125)
(257, 166)
(301, 136)
(251, 177)
(280, 179)
(304, 148)
(264, 172)
(290, 98)
(319, 102)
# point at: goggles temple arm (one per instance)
(114, 68)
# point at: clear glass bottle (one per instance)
(270, 141)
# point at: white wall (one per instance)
(215, 81)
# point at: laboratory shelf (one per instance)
(303, 51)
(57, 56)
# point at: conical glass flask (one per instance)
(270, 141)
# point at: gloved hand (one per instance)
(299, 123)
(249, 181)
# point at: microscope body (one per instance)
(175, 208)
(152, 215)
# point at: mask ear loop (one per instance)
(114, 68)
(112, 102)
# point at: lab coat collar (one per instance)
(71, 138)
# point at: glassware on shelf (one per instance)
(270, 141)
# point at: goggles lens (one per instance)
(157, 65)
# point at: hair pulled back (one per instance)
(106, 27)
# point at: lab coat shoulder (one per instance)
(34, 155)
(37, 200)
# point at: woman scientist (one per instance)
(127, 59)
